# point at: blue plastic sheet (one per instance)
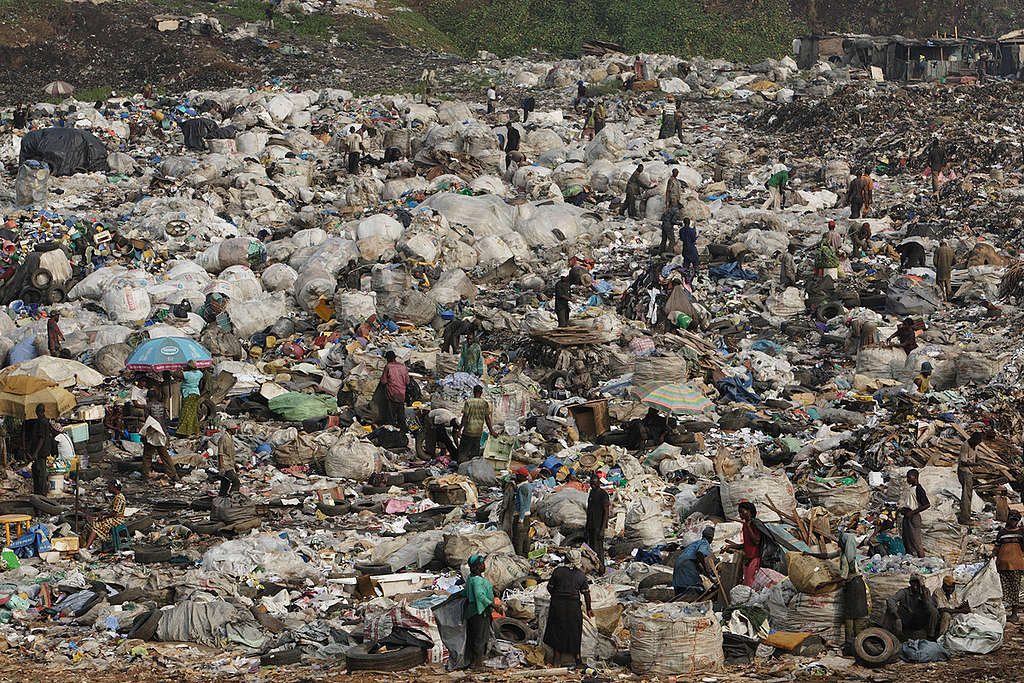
(731, 271)
(738, 390)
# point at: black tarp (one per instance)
(196, 131)
(66, 150)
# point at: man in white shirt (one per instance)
(492, 99)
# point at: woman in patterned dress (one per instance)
(104, 525)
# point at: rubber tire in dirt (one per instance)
(655, 580)
(140, 524)
(358, 659)
(41, 279)
(335, 510)
(45, 505)
(146, 628)
(874, 647)
(282, 658)
(512, 630)
(149, 555)
(206, 528)
(56, 295)
(659, 594)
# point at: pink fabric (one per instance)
(750, 569)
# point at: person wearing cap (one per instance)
(911, 612)
(834, 240)
(913, 501)
(965, 465)
(695, 560)
(861, 239)
(103, 526)
(943, 259)
(599, 511)
(949, 602)
(923, 380)
(563, 632)
(395, 380)
(1009, 553)
(480, 597)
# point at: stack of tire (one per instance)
(40, 285)
(92, 448)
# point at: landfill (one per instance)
(210, 296)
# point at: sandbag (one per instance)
(884, 586)
(596, 643)
(839, 497)
(352, 458)
(881, 362)
(480, 470)
(973, 633)
(502, 569)
(811, 575)
(818, 614)
(564, 508)
(279, 277)
(311, 284)
(644, 523)
(675, 639)
(758, 488)
(127, 304)
(352, 307)
(660, 369)
(458, 547)
(411, 306)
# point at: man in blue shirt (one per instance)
(691, 259)
(523, 502)
(691, 563)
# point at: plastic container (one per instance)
(33, 183)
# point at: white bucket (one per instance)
(56, 483)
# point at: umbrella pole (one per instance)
(77, 479)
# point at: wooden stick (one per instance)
(721, 588)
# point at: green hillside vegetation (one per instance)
(749, 33)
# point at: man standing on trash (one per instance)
(691, 258)
(395, 380)
(668, 224)
(599, 511)
(787, 270)
(1009, 553)
(856, 600)
(965, 473)
(936, 162)
(476, 412)
(634, 186)
(471, 358)
(943, 262)
(563, 293)
(354, 146)
(673, 191)
(521, 506)
(53, 334)
(853, 197)
(913, 502)
(776, 185)
(39, 435)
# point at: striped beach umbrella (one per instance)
(676, 398)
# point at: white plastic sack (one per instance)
(352, 307)
(352, 458)
(250, 317)
(566, 508)
(758, 489)
(674, 639)
(278, 277)
(644, 523)
(127, 304)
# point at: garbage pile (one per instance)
(300, 378)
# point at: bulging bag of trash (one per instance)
(480, 470)
(675, 639)
(759, 487)
(881, 362)
(330, 256)
(127, 304)
(671, 368)
(459, 546)
(250, 317)
(310, 237)
(411, 306)
(352, 458)
(375, 248)
(563, 508)
(379, 225)
(312, 284)
(818, 614)
(811, 575)
(279, 277)
(502, 570)
(483, 215)
(609, 144)
(241, 251)
(786, 303)
(94, 285)
(209, 259)
(111, 358)
(911, 296)
(492, 250)
(352, 307)
(837, 496)
(421, 246)
(239, 283)
(644, 523)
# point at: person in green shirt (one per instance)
(471, 359)
(480, 596)
(776, 185)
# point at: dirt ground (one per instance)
(26, 667)
(113, 46)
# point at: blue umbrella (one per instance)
(168, 353)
